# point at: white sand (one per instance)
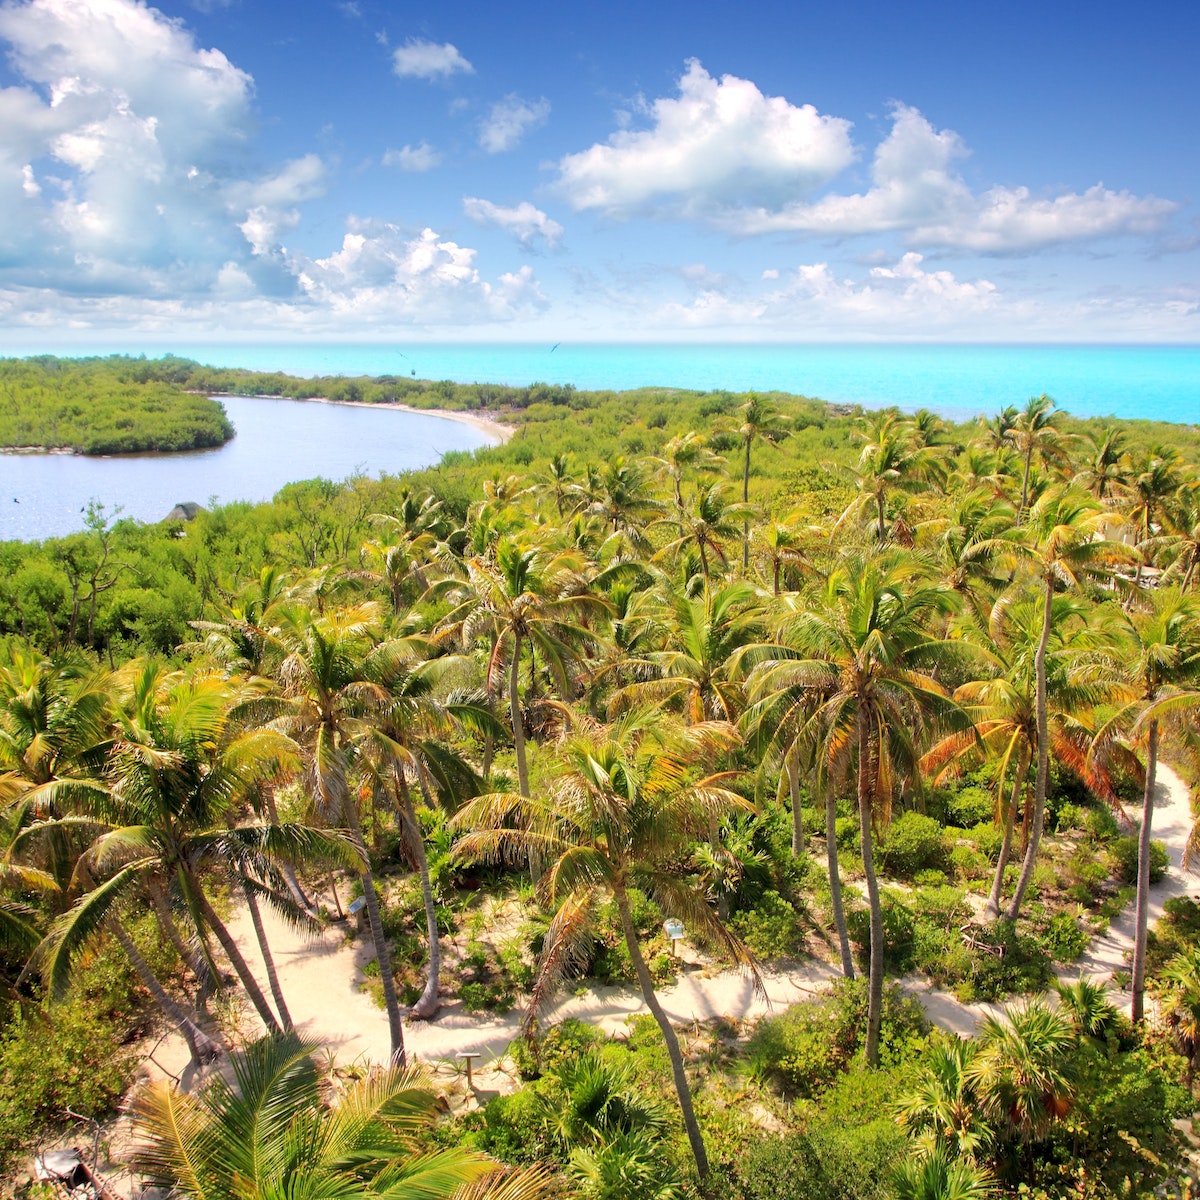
(321, 977)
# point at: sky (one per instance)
(686, 172)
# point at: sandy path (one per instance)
(1110, 951)
(321, 975)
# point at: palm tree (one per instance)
(1179, 988)
(705, 528)
(859, 652)
(892, 460)
(684, 452)
(1106, 474)
(336, 677)
(625, 502)
(272, 1132)
(943, 1111)
(1064, 547)
(782, 548)
(696, 666)
(1036, 433)
(1020, 1071)
(620, 810)
(759, 421)
(1161, 655)
(939, 1177)
(524, 596)
(1087, 1004)
(163, 809)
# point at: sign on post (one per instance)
(674, 930)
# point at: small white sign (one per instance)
(673, 929)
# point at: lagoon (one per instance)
(277, 442)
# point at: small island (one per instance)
(112, 405)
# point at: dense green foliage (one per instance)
(103, 406)
(536, 700)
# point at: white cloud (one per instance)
(525, 222)
(509, 120)
(916, 191)
(419, 58)
(718, 142)
(422, 157)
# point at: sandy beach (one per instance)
(493, 429)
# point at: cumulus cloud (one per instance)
(716, 143)
(509, 120)
(527, 224)
(422, 157)
(916, 190)
(419, 58)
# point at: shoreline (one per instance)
(495, 430)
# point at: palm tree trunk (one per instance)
(286, 868)
(746, 500)
(875, 987)
(427, 1005)
(514, 712)
(835, 883)
(264, 948)
(187, 954)
(1143, 876)
(337, 900)
(792, 767)
(200, 1046)
(236, 960)
(1025, 482)
(382, 953)
(1042, 779)
(695, 1139)
(992, 907)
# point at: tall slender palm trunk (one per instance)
(236, 960)
(1042, 778)
(427, 1005)
(382, 954)
(695, 1139)
(746, 500)
(514, 710)
(199, 1045)
(264, 949)
(875, 987)
(835, 883)
(792, 766)
(1143, 876)
(992, 907)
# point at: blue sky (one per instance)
(355, 170)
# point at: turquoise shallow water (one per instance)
(1159, 382)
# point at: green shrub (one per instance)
(930, 878)
(988, 839)
(846, 832)
(1064, 938)
(1100, 824)
(544, 1051)
(1070, 816)
(912, 843)
(771, 929)
(899, 928)
(806, 1048)
(967, 863)
(1123, 854)
(969, 806)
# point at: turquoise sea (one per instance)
(1159, 382)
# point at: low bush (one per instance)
(968, 864)
(912, 843)
(969, 806)
(988, 839)
(806, 1048)
(771, 929)
(1064, 938)
(1123, 854)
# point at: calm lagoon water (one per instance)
(278, 441)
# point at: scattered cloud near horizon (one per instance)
(419, 58)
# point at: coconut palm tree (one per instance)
(1063, 548)
(758, 421)
(1161, 656)
(682, 453)
(336, 678)
(1036, 433)
(525, 596)
(1107, 466)
(781, 547)
(273, 1132)
(705, 528)
(859, 651)
(621, 808)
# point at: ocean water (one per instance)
(1158, 382)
